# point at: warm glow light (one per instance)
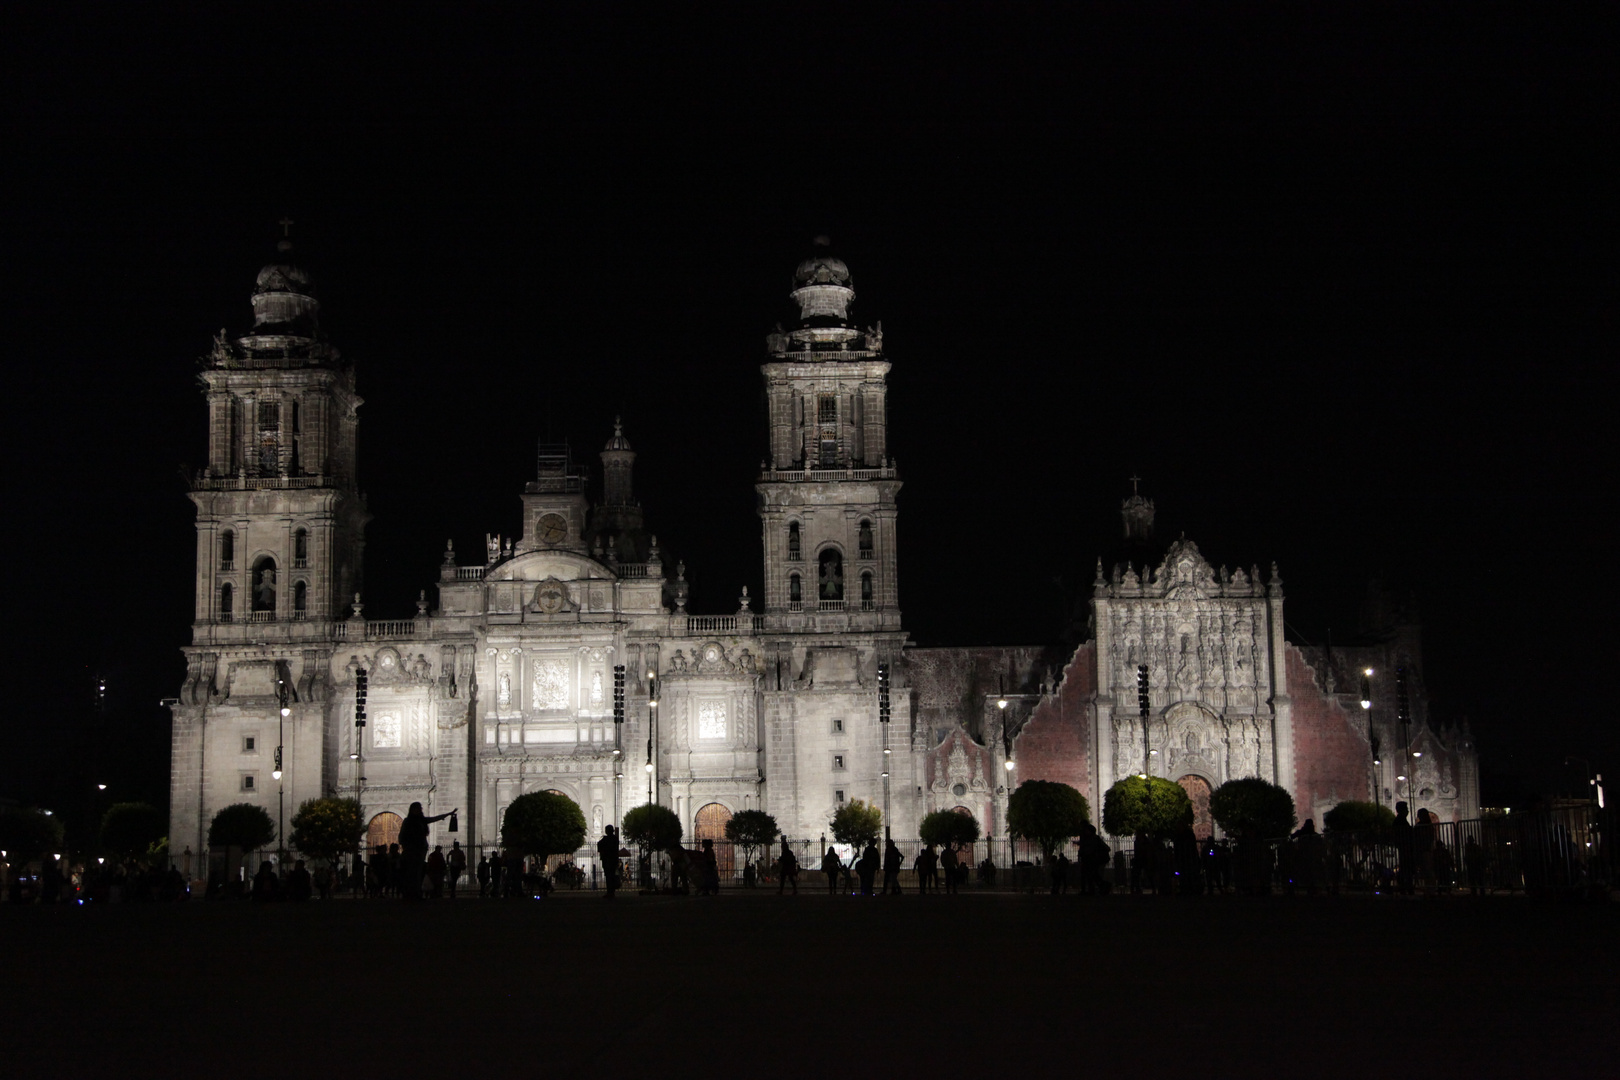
(1417, 753)
(885, 773)
(1001, 703)
(101, 787)
(100, 860)
(1153, 753)
(1141, 776)
(1400, 778)
(649, 766)
(1368, 673)
(354, 757)
(616, 752)
(652, 674)
(652, 703)
(1377, 762)
(1365, 704)
(1009, 765)
(886, 750)
(286, 711)
(275, 774)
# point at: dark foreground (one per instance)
(965, 986)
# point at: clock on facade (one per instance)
(553, 528)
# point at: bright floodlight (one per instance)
(275, 774)
(1001, 703)
(1417, 753)
(101, 787)
(1009, 765)
(286, 711)
(1365, 704)
(1368, 673)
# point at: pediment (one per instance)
(545, 565)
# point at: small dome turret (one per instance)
(823, 290)
(286, 315)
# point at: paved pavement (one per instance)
(969, 986)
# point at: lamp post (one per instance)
(883, 726)
(1372, 740)
(652, 733)
(281, 798)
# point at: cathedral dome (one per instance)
(283, 300)
(823, 290)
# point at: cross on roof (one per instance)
(1134, 481)
(286, 224)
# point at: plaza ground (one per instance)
(971, 985)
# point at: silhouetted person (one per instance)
(787, 869)
(482, 873)
(1060, 874)
(926, 861)
(435, 871)
(1401, 834)
(892, 861)
(868, 867)
(948, 863)
(607, 853)
(1474, 866)
(413, 849)
(265, 886)
(298, 882)
(455, 865)
(829, 866)
(497, 868)
(708, 871)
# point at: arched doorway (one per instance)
(710, 824)
(384, 830)
(1197, 789)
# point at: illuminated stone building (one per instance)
(503, 681)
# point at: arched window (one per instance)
(227, 600)
(795, 590)
(264, 584)
(794, 551)
(227, 549)
(831, 578)
(301, 547)
(866, 539)
(867, 600)
(300, 600)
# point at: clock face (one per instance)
(553, 529)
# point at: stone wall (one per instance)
(1055, 744)
(1332, 758)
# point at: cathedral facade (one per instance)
(507, 678)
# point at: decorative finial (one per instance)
(1134, 481)
(743, 603)
(421, 602)
(357, 606)
(285, 243)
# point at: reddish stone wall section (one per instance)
(1055, 743)
(1332, 759)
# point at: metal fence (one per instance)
(1566, 851)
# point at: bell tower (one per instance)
(827, 494)
(280, 519)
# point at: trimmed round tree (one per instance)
(1047, 813)
(130, 829)
(856, 822)
(653, 827)
(947, 827)
(26, 833)
(1352, 816)
(242, 826)
(1253, 808)
(1151, 805)
(542, 824)
(751, 830)
(327, 829)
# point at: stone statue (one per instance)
(503, 695)
(776, 341)
(677, 662)
(267, 587)
(874, 337)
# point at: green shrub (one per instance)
(751, 830)
(543, 823)
(948, 827)
(1359, 817)
(328, 828)
(130, 829)
(856, 822)
(1151, 805)
(241, 825)
(1048, 813)
(653, 827)
(1254, 808)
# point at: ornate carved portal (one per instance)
(383, 830)
(710, 824)
(1197, 789)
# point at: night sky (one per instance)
(1343, 295)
